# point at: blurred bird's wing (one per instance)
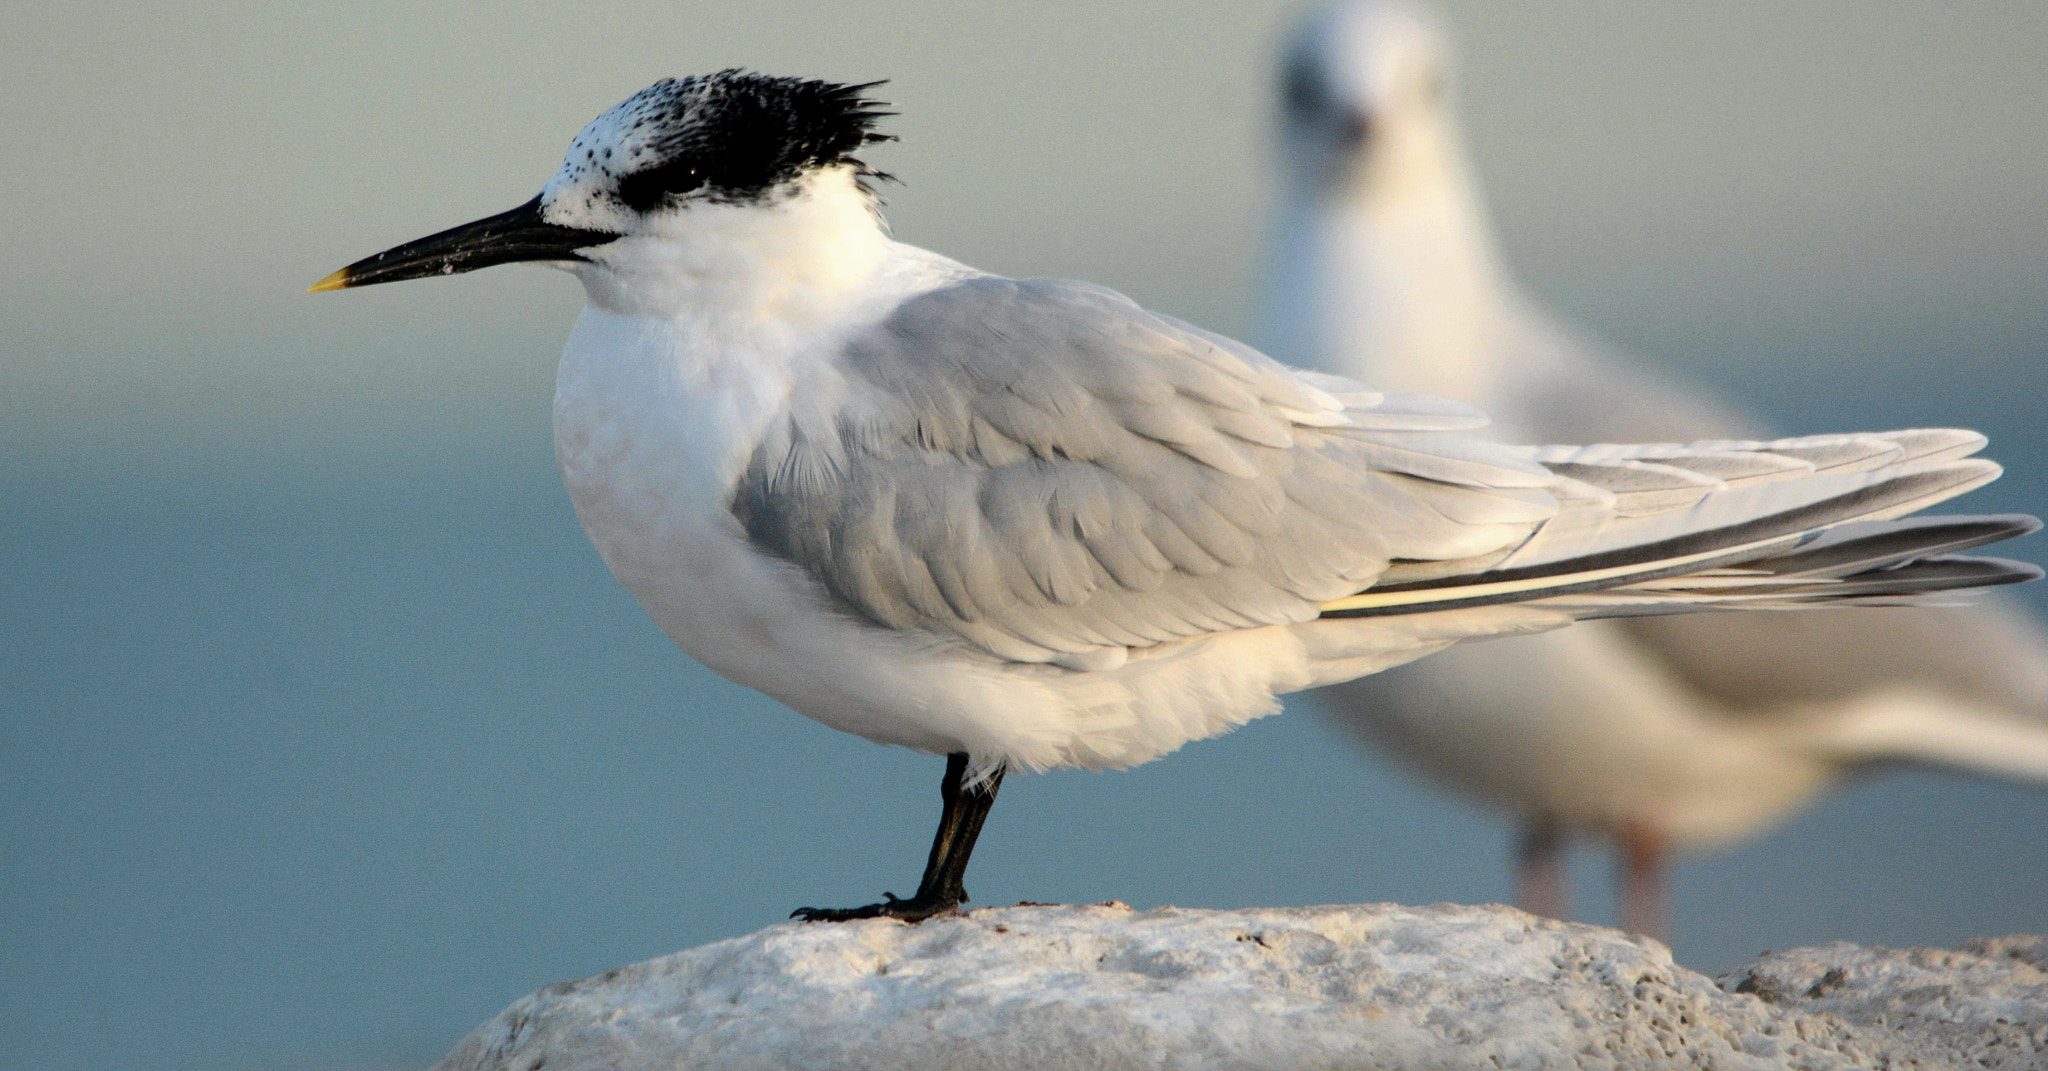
(1559, 386)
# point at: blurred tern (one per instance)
(1656, 732)
(1027, 524)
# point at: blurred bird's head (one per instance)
(1365, 105)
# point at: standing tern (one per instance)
(1668, 732)
(1027, 524)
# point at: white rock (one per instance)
(1986, 1005)
(1378, 986)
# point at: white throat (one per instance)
(706, 328)
(792, 257)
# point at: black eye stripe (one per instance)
(647, 189)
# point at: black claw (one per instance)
(941, 891)
(912, 911)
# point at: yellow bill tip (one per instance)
(333, 282)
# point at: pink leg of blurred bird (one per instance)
(1644, 906)
(1539, 869)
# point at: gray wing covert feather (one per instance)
(1043, 468)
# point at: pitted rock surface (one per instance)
(1372, 986)
(1983, 1006)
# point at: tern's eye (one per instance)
(643, 191)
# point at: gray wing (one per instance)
(1044, 469)
(1768, 665)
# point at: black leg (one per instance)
(941, 891)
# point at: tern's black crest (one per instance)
(730, 136)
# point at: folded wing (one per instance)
(1048, 472)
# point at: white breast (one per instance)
(654, 419)
(666, 387)
(699, 343)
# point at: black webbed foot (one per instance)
(914, 910)
(941, 891)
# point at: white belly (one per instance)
(1577, 726)
(652, 428)
(686, 360)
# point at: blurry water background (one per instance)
(324, 734)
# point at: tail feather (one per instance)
(1668, 529)
(1896, 586)
(1859, 547)
(1781, 506)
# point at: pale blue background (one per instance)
(324, 735)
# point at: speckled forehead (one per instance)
(629, 136)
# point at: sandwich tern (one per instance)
(1027, 524)
(1666, 732)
